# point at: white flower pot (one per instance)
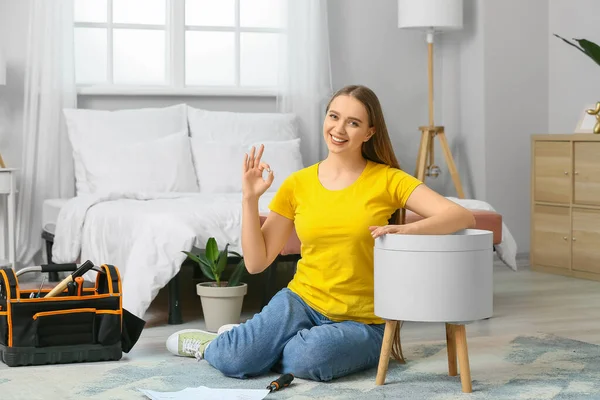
(434, 278)
(221, 305)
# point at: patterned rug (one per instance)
(515, 368)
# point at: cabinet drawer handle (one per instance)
(566, 173)
(576, 172)
(564, 238)
(573, 239)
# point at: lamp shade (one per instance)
(2, 69)
(438, 15)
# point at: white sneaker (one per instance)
(226, 328)
(189, 342)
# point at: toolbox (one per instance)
(58, 326)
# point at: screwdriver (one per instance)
(85, 267)
(79, 284)
(283, 381)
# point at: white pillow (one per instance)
(91, 130)
(284, 158)
(218, 166)
(156, 166)
(241, 128)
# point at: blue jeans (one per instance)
(288, 336)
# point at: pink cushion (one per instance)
(486, 220)
(293, 244)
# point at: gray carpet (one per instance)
(521, 367)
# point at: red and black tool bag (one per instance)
(65, 328)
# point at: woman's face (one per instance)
(346, 125)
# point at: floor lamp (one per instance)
(432, 16)
(2, 83)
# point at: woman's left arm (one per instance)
(440, 215)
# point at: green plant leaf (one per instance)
(235, 254)
(205, 265)
(570, 43)
(237, 274)
(192, 256)
(222, 261)
(212, 250)
(591, 49)
(211, 265)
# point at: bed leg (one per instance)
(52, 276)
(174, 303)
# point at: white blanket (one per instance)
(144, 235)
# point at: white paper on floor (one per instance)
(205, 393)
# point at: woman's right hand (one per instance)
(253, 184)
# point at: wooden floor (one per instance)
(525, 301)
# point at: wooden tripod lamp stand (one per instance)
(432, 16)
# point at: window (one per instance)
(178, 45)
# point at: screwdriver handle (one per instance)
(281, 382)
(79, 283)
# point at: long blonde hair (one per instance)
(378, 149)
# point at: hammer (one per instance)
(85, 267)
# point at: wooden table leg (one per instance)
(463, 358)
(451, 346)
(386, 350)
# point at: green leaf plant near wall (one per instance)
(587, 47)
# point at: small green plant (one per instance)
(590, 49)
(213, 262)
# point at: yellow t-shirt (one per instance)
(335, 273)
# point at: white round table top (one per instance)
(464, 240)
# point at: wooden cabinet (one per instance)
(565, 205)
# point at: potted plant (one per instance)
(592, 50)
(221, 300)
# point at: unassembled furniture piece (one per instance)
(565, 204)
(434, 278)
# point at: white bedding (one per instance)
(144, 235)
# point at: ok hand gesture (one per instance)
(253, 184)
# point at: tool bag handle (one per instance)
(110, 281)
(9, 283)
(68, 267)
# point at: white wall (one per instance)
(516, 89)
(574, 79)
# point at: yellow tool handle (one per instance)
(60, 287)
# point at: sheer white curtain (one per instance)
(47, 170)
(305, 77)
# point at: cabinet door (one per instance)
(551, 245)
(552, 172)
(586, 175)
(586, 240)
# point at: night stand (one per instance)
(8, 186)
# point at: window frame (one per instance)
(175, 29)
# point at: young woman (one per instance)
(322, 325)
